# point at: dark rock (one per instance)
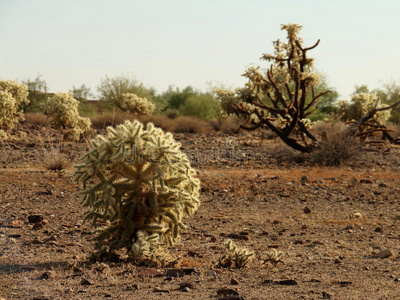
(85, 281)
(158, 290)
(365, 181)
(307, 210)
(344, 283)
(326, 295)
(35, 219)
(37, 226)
(234, 281)
(47, 275)
(174, 273)
(227, 292)
(281, 282)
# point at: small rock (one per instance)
(344, 283)
(47, 275)
(211, 273)
(382, 254)
(304, 178)
(36, 242)
(158, 290)
(151, 272)
(227, 292)
(35, 219)
(184, 285)
(365, 181)
(325, 295)
(234, 281)
(281, 282)
(186, 289)
(378, 229)
(37, 226)
(307, 210)
(85, 281)
(133, 287)
(174, 273)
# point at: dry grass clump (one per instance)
(110, 119)
(181, 124)
(335, 149)
(55, 160)
(230, 125)
(187, 124)
(322, 128)
(36, 119)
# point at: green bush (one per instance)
(203, 106)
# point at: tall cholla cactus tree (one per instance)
(133, 104)
(12, 96)
(141, 185)
(62, 109)
(282, 98)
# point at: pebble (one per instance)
(85, 281)
(382, 254)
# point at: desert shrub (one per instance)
(87, 109)
(12, 96)
(104, 120)
(62, 109)
(334, 149)
(36, 119)
(160, 121)
(203, 106)
(138, 181)
(187, 124)
(235, 257)
(172, 113)
(321, 128)
(54, 160)
(136, 105)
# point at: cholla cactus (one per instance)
(139, 182)
(136, 105)
(359, 106)
(274, 257)
(62, 108)
(12, 96)
(282, 97)
(235, 257)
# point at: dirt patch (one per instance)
(329, 222)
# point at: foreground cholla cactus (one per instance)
(62, 109)
(141, 185)
(12, 96)
(136, 105)
(235, 257)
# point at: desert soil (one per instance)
(337, 226)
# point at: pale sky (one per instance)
(193, 42)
